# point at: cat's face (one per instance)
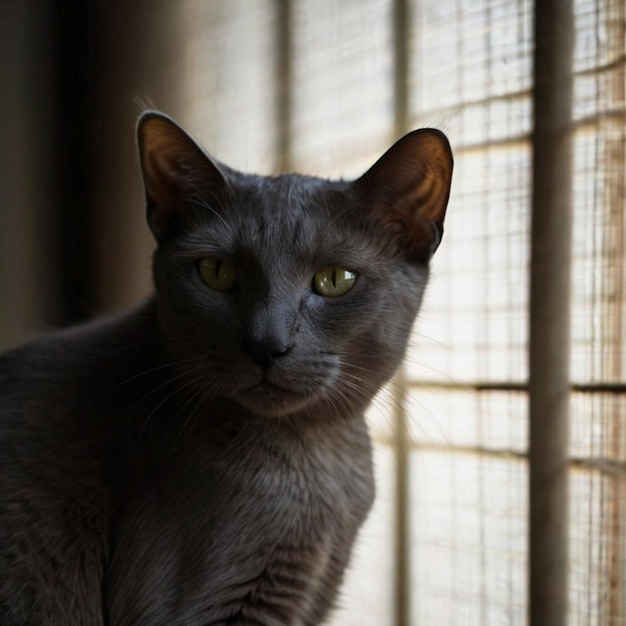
(290, 294)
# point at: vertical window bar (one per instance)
(401, 50)
(284, 68)
(402, 588)
(549, 343)
(616, 195)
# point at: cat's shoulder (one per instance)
(59, 362)
(100, 335)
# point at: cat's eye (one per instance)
(333, 280)
(217, 273)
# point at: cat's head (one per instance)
(290, 294)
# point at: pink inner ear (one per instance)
(160, 177)
(431, 196)
(172, 164)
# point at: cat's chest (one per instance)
(251, 500)
(236, 532)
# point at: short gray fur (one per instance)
(203, 459)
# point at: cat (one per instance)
(203, 458)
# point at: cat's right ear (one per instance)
(174, 168)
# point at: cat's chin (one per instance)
(269, 400)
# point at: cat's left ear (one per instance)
(174, 169)
(406, 191)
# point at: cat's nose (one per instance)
(265, 353)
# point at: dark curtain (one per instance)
(74, 76)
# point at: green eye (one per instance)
(217, 273)
(333, 281)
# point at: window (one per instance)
(310, 85)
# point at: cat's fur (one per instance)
(203, 459)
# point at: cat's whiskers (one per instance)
(178, 389)
(382, 401)
(146, 372)
(337, 396)
(354, 383)
(165, 383)
(386, 404)
(200, 397)
(411, 403)
(416, 409)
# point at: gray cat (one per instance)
(203, 459)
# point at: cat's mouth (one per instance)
(272, 400)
